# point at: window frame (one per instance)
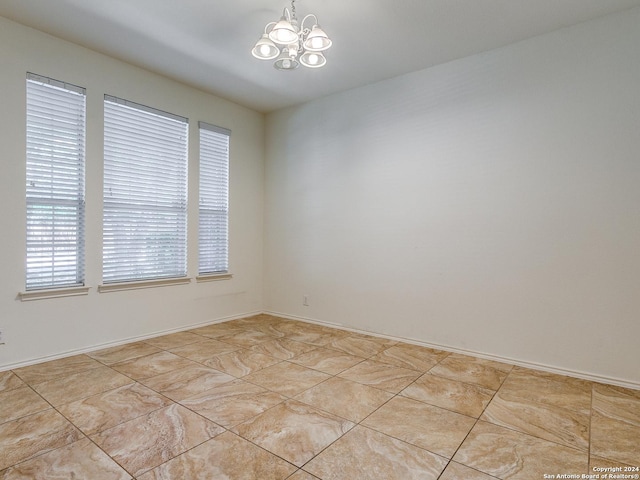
(213, 201)
(150, 198)
(55, 181)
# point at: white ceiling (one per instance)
(207, 43)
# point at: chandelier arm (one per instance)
(305, 18)
(270, 24)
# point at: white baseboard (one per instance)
(117, 343)
(512, 361)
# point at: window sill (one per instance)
(53, 293)
(213, 277)
(164, 282)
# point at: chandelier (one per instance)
(291, 43)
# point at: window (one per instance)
(145, 193)
(55, 183)
(214, 200)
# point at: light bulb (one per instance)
(264, 50)
(313, 59)
(286, 63)
(316, 43)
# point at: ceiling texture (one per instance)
(207, 43)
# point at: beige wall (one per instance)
(489, 205)
(37, 329)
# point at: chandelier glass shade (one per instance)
(290, 43)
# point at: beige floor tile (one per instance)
(302, 431)
(315, 338)
(486, 373)
(174, 340)
(385, 342)
(273, 329)
(47, 371)
(282, 348)
(233, 403)
(615, 439)
(365, 454)
(81, 385)
(544, 421)
(547, 390)
(242, 362)
(302, 475)
(204, 350)
(358, 345)
(122, 353)
(381, 375)
(327, 360)
(511, 455)
(33, 435)
(186, 382)
(334, 331)
(345, 398)
(459, 397)
(432, 428)
(455, 471)
(218, 329)
(20, 402)
(226, 456)
(411, 356)
(616, 390)
(9, 381)
(148, 441)
(106, 410)
(287, 378)
(615, 424)
(152, 365)
(293, 327)
(617, 403)
(503, 367)
(79, 460)
(246, 339)
(258, 319)
(585, 385)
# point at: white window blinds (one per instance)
(145, 193)
(214, 200)
(55, 183)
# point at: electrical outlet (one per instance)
(305, 300)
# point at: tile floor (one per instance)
(268, 398)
